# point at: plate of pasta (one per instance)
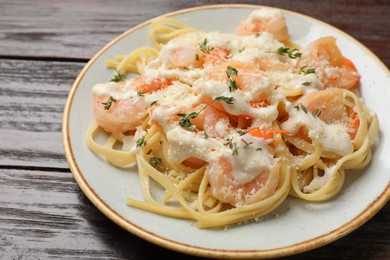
(232, 137)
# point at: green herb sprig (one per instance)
(108, 104)
(246, 143)
(232, 146)
(228, 100)
(307, 71)
(155, 161)
(203, 46)
(230, 72)
(141, 142)
(241, 132)
(292, 53)
(118, 77)
(316, 113)
(185, 121)
(300, 106)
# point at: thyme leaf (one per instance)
(141, 142)
(118, 77)
(185, 121)
(203, 46)
(232, 146)
(300, 106)
(241, 132)
(108, 104)
(292, 53)
(316, 113)
(155, 161)
(228, 100)
(246, 143)
(306, 71)
(230, 72)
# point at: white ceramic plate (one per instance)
(297, 225)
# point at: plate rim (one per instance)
(177, 246)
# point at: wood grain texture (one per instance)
(50, 218)
(32, 99)
(78, 29)
(43, 46)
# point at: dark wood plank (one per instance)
(50, 218)
(78, 29)
(43, 213)
(32, 99)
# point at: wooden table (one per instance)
(43, 46)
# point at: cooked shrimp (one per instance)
(122, 115)
(216, 55)
(268, 20)
(202, 117)
(118, 115)
(329, 106)
(261, 170)
(146, 85)
(184, 57)
(332, 68)
(225, 187)
(209, 119)
(219, 73)
(266, 134)
(187, 57)
(247, 78)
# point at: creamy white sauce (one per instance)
(333, 137)
(253, 157)
(241, 105)
(320, 181)
(190, 85)
(294, 81)
(115, 90)
(184, 144)
(177, 94)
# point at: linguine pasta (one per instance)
(230, 124)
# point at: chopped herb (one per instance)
(230, 72)
(141, 142)
(228, 100)
(139, 93)
(258, 34)
(307, 83)
(317, 112)
(292, 53)
(153, 103)
(246, 143)
(241, 50)
(233, 146)
(204, 48)
(118, 77)
(259, 149)
(155, 161)
(306, 71)
(310, 71)
(185, 121)
(205, 134)
(108, 104)
(303, 108)
(241, 132)
(300, 105)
